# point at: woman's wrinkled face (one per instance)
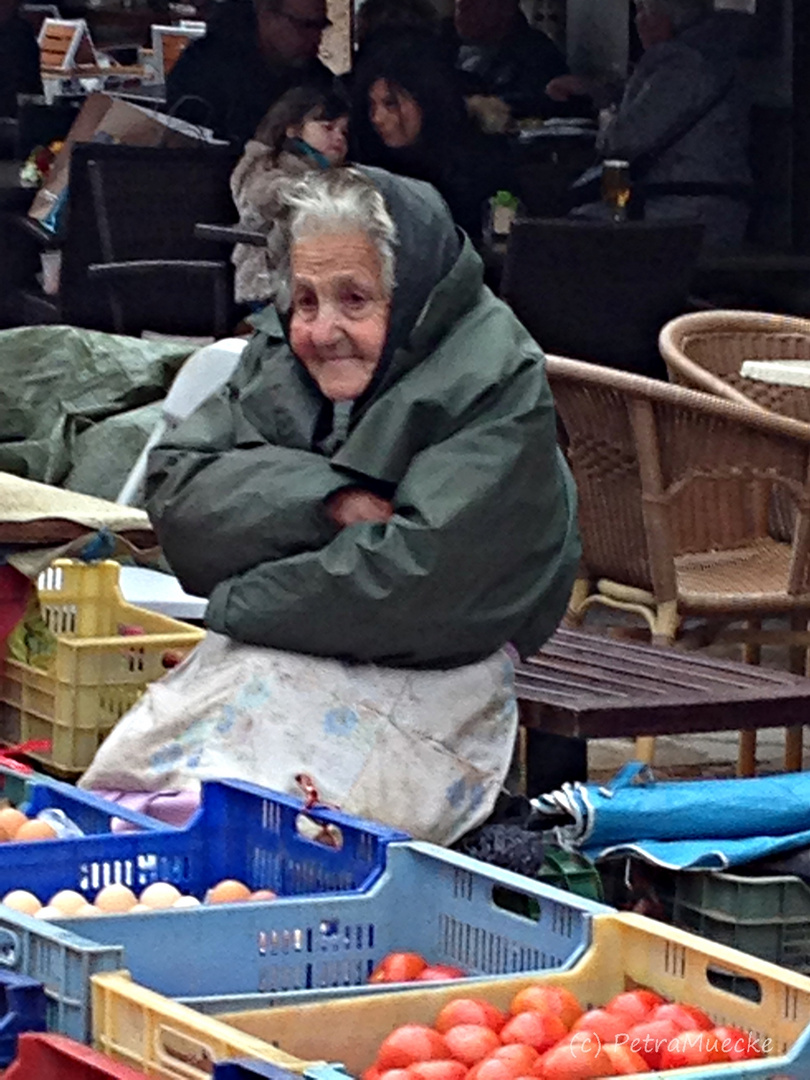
(394, 114)
(340, 312)
(328, 137)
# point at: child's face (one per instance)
(328, 137)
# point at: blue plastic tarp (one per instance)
(683, 824)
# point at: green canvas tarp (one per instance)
(76, 406)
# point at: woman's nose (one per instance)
(324, 329)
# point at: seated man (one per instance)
(19, 58)
(682, 123)
(501, 56)
(252, 54)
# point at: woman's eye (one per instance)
(305, 303)
(354, 300)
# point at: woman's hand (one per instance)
(353, 506)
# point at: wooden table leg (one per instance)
(747, 744)
(747, 753)
(793, 749)
(645, 749)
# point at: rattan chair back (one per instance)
(665, 472)
(706, 350)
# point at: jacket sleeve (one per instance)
(482, 547)
(675, 94)
(222, 499)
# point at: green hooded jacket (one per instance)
(458, 430)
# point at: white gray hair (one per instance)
(681, 13)
(329, 201)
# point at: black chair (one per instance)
(130, 259)
(598, 291)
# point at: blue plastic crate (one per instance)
(241, 831)
(33, 865)
(245, 1069)
(62, 962)
(263, 1070)
(448, 907)
(23, 1009)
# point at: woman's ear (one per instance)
(293, 131)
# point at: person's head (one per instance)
(341, 279)
(485, 22)
(661, 20)
(289, 31)
(376, 16)
(364, 249)
(316, 116)
(405, 95)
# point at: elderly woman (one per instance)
(375, 507)
(682, 122)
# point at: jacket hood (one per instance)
(428, 247)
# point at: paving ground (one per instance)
(690, 755)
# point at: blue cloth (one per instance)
(702, 824)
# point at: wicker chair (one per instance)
(706, 351)
(674, 490)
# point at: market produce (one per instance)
(119, 899)
(399, 967)
(549, 1036)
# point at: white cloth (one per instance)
(424, 751)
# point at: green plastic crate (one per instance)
(768, 917)
(571, 872)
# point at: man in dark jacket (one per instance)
(252, 54)
(19, 58)
(502, 56)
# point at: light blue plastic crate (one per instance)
(62, 961)
(446, 906)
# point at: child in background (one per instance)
(306, 129)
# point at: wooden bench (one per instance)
(585, 686)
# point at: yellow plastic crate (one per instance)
(96, 675)
(627, 951)
(161, 1038)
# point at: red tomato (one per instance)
(411, 1043)
(544, 998)
(737, 1044)
(469, 1011)
(687, 1049)
(687, 1017)
(650, 1038)
(506, 1063)
(602, 1023)
(538, 1029)
(372, 1073)
(437, 1070)
(435, 972)
(625, 1062)
(398, 967)
(634, 1004)
(578, 1059)
(471, 1043)
(395, 1074)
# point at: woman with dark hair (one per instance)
(307, 128)
(409, 116)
